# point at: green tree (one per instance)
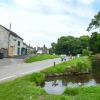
(95, 42)
(95, 37)
(77, 47)
(95, 22)
(61, 46)
(53, 46)
(70, 44)
(64, 45)
(84, 41)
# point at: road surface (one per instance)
(16, 70)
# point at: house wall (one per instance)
(13, 42)
(3, 38)
(4, 41)
(21, 45)
(24, 49)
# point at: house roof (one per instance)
(11, 32)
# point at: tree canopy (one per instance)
(94, 42)
(70, 44)
(95, 22)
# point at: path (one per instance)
(16, 70)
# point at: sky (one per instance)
(41, 22)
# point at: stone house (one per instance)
(10, 43)
(24, 50)
(30, 50)
(42, 50)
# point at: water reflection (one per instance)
(58, 84)
(51, 89)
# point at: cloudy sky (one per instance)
(41, 22)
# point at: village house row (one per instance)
(11, 44)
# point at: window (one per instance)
(18, 43)
(14, 39)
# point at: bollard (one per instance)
(54, 64)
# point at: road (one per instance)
(19, 69)
(9, 61)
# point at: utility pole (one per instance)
(9, 38)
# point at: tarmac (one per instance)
(13, 60)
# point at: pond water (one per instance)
(56, 85)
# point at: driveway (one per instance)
(13, 60)
(9, 61)
(19, 69)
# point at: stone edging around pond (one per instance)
(64, 74)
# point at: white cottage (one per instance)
(10, 43)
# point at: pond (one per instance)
(56, 85)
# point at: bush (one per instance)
(85, 52)
(38, 78)
(80, 66)
(71, 91)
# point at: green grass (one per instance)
(83, 93)
(38, 78)
(20, 89)
(24, 88)
(77, 64)
(40, 58)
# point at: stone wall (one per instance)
(3, 38)
(13, 42)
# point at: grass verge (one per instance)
(20, 89)
(83, 93)
(25, 88)
(40, 58)
(81, 64)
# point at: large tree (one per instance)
(84, 41)
(95, 37)
(52, 49)
(95, 22)
(95, 42)
(64, 45)
(70, 44)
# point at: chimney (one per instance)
(10, 27)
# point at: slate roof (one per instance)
(11, 32)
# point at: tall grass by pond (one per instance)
(81, 64)
(40, 58)
(25, 88)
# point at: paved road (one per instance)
(16, 70)
(14, 60)
(9, 61)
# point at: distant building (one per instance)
(31, 50)
(24, 49)
(42, 50)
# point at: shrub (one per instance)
(85, 52)
(80, 66)
(71, 91)
(38, 78)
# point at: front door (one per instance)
(11, 51)
(18, 51)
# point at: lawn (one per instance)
(24, 88)
(27, 87)
(40, 58)
(80, 64)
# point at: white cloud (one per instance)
(86, 1)
(26, 3)
(41, 22)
